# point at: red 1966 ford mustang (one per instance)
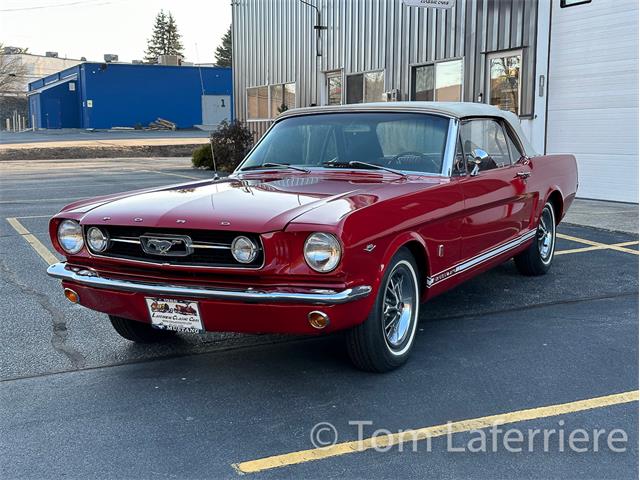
(342, 217)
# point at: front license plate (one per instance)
(175, 315)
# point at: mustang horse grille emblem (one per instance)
(166, 245)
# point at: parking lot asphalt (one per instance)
(77, 401)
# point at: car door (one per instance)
(496, 200)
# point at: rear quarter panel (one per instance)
(550, 173)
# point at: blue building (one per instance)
(106, 95)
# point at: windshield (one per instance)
(412, 142)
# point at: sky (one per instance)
(91, 28)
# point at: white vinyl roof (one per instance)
(457, 110)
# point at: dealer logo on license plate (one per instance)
(175, 315)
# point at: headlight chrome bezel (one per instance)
(333, 252)
(254, 249)
(105, 239)
(73, 229)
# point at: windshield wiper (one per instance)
(357, 163)
(278, 165)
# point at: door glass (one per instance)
(487, 135)
(504, 82)
(422, 88)
(513, 148)
(449, 81)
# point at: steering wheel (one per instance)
(396, 161)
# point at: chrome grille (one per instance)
(208, 248)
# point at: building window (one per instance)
(365, 87)
(265, 103)
(334, 88)
(504, 72)
(283, 97)
(258, 103)
(571, 3)
(441, 81)
(422, 83)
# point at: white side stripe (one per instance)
(483, 257)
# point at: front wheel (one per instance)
(384, 341)
(536, 260)
(139, 332)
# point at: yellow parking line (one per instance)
(36, 216)
(597, 244)
(36, 244)
(590, 249)
(405, 436)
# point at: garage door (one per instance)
(593, 94)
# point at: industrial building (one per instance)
(108, 95)
(568, 68)
(30, 67)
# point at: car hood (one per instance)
(262, 204)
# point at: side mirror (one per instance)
(477, 156)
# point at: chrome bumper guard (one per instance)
(91, 278)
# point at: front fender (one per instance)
(389, 248)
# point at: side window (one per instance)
(488, 135)
(516, 154)
(459, 164)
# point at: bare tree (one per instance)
(12, 72)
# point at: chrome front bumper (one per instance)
(91, 278)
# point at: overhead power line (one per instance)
(56, 5)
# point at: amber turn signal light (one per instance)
(318, 320)
(72, 296)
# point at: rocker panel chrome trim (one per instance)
(483, 257)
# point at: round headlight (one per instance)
(322, 252)
(97, 240)
(70, 236)
(244, 250)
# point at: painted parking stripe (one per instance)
(597, 244)
(31, 239)
(303, 456)
(592, 248)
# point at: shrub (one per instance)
(230, 142)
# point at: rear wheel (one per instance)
(536, 260)
(384, 341)
(139, 332)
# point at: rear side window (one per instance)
(486, 134)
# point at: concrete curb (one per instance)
(110, 151)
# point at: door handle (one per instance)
(523, 175)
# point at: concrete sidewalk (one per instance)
(613, 216)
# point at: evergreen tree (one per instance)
(174, 45)
(165, 39)
(223, 52)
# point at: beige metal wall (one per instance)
(274, 42)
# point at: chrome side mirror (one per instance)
(477, 156)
